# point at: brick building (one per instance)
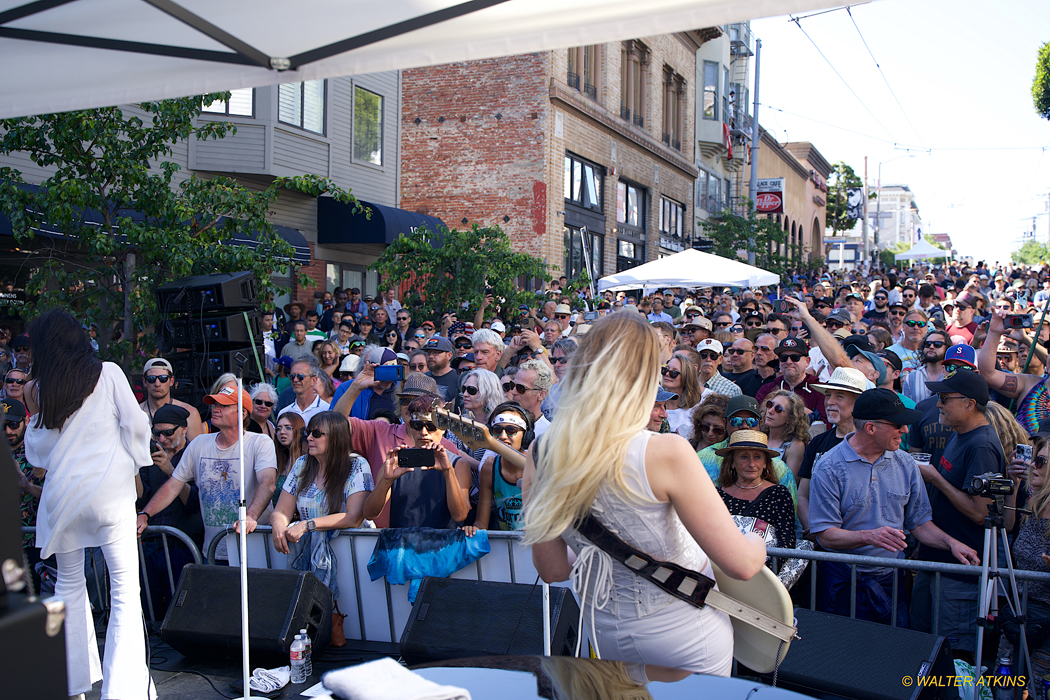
(549, 145)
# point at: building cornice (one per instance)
(566, 96)
(770, 142)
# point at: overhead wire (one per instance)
(884, 78)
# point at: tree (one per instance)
(886, 257)
(842, 178)
(126, 228)
(1031, 253)
(733, 234)
(1041, 82)
(458, 270)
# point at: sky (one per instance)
(964, 137)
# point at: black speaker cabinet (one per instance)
(212, 330)
(207, 367)
(205, 614)
(33, 648)
(208, 293)
(454, 618)
(840, 657)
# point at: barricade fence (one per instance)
(157, 570)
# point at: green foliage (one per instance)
(842, 178)
(1031, 253)
(127, 228)
(735, 236)
(888, 261)
(1041, 82)
(457, 270)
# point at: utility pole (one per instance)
(864, 216)
(753, 185)
(878, 212)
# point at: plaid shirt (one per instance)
(721, 385)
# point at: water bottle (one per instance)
(297, 653)
(309, 652)
(1003, 689)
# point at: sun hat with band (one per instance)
(848, 379)
(419, 385)
(747, 440)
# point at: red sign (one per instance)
(769, 203)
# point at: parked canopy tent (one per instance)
(61, 55)
(921, 250)
(690, 268)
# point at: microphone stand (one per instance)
(242, 546)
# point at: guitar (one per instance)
(477, 436)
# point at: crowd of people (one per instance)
(845, 411)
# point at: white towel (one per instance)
(386, 679)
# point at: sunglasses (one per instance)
(934, 344)
(298, 377)
(315, 433)
(725, 324)
(463, 346)
(835, 324)
(471, 390)
(12, 424)
(692, 315)
(153, 379)
(21, 348)
(823, 306)
(507, 387)
(739, 422)
(775, 331)
(420, 425)
(736, 351)
(777, 408)
(1039, 462)
(260, 402)
(878, 298)
(560, 360)
(521, 388)
(420, 336)
(738, 329)
(898, 313)
(714, 429)
(19, 382)
(166, 433)
(753, 324)
(707, 355)
(463, 369)
(508, 430)
(791, 358)
(672, 373)
(915, 324)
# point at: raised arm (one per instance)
(1006, 384)
(833, 352)
(365, 379)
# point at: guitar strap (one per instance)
(685, 584)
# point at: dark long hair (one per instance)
(286, 456)
(65, 367)
(337, 461)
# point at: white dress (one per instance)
(91, 463)
(634, 620)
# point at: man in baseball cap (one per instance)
(658, 416)
(158, 379)
(793, 354)
(710, 351)
(974, 449)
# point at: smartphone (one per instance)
(390, 373)
(1023, 452)
(154, 447)
(412, 457)
(590, 316)
(780, 306)
(1018, 321)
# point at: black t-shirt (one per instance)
(749, 382)
(448, 385)
(928, 434)
(419, 499)
(875, 313)
(815, 449)
(966, 456)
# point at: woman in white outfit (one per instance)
(91, 437)
(650, 490)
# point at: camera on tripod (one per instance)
(990, 484)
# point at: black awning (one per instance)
(290, 235)
(338, 224)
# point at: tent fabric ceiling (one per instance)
(690, 268)
(61, 55)
(922, 249)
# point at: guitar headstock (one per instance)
(473, 434)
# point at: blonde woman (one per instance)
(787, 425)
(651, 489)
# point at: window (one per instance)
(579, 249)
(674, 108)
(368, 126)
(701, 191)
(583, 183)
(633, 82)
(584, 66)
(630, 226)
(727, 114)
(302, 105)
(350, 276)
(714, 194)
(629, 205)
(710, 90)
(672, 216)
(240, 104)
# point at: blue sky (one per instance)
(962, 71)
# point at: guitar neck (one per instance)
(477, 436)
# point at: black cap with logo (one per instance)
(969, 384)
(883, 404)
(793, 345)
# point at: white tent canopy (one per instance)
(921, 250)
(690, 268)
(61, 55)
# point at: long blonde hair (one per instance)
(1010, 432)
(1041, 498)
(591, 679)
(609, 392)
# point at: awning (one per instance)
(337, 224)
(61, 55)
(47, 230)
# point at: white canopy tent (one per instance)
(61, 55)
(690, 268)
(922, 250)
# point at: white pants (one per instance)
(125, 675)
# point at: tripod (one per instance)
(988, 602)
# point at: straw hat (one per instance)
(747, 440)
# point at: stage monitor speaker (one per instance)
(208, 293)
(212, 330)
(207, 367)
(33, 647)
(204, 618)
(457, 618)
(839, 657)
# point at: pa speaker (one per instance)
(204, 618)
(208, 293)
(213, 330)
(33, 648)
(206, 367)
(456, 618)
(836, 656)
